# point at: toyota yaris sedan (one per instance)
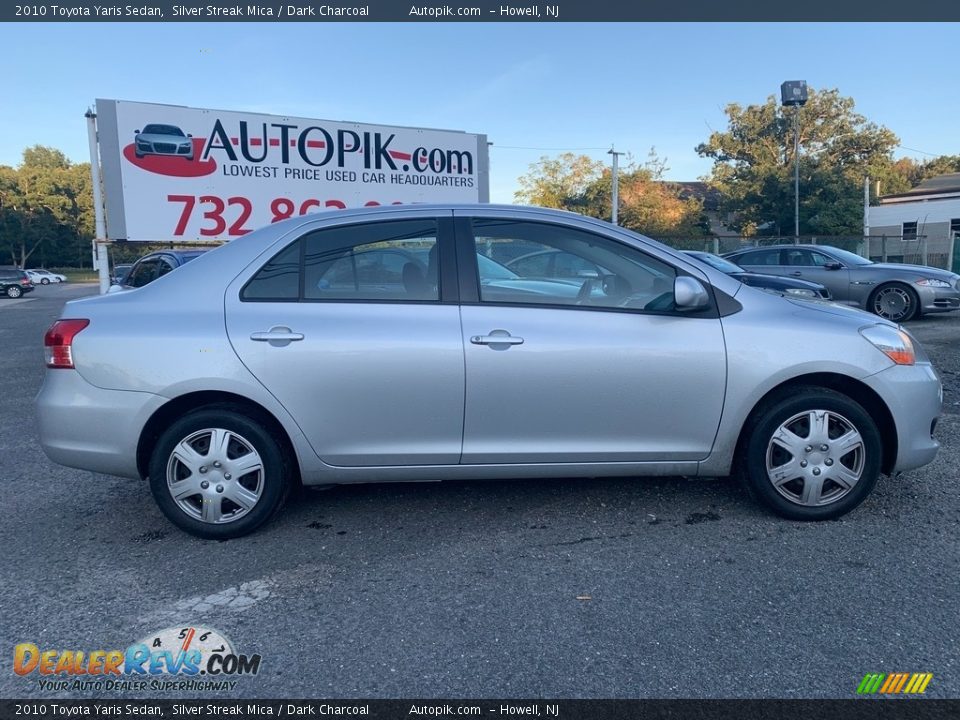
(382, 344)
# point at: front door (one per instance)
(584, 369)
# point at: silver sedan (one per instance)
(895, 291)
(390, 344)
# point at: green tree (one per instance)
(46, 209)
(553, 182)
(647, 203)
(753, 164)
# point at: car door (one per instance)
(596, 371)
(818, 267)
(364, 352)
(762, 260)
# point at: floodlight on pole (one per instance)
(794, 92)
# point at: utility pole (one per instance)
(794, 92)
(615, 195)
(796, 174)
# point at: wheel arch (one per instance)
(179, 406)
(857, 391)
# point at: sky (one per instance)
(534, 89)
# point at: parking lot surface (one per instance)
(560, 589)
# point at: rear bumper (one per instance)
(914, 395)
(89, 428)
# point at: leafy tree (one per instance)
(46, 209)
(647, 203)
(553, 182)
(753, 163)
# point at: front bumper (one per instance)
(938, 299)
(87, 427)
(914, 395)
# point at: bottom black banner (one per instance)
(865, 709)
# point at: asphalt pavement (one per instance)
(606, 588)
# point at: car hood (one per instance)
(928, 272)
(779, 279)
(840, 310)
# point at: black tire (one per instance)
(273, 481)
(44, 281)
(788, 501)
(14, 292)
(896, 289)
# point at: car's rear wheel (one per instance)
(895, 301)
(44, 281)
(811, 454)
(218, 473)
(14, 292)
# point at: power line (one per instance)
(552, 149)
(904, 147)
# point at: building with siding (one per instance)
(921, 223)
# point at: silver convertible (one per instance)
(393, 344)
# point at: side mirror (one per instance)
(189, 135)
(136, 132)
(689, 294)
(114, 289)
(832, 266)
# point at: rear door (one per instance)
(586, 369)
(356, 332)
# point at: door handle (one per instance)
(796, 273)
(277, 336)
(497, 337)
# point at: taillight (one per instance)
(24, 281)
(58, 342)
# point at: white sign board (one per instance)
(182, 174)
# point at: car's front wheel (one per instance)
(218, 473)
(812, 454)
(895, 301)
(14, 292)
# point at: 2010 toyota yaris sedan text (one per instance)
(395, 344)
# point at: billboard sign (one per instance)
(173, 173)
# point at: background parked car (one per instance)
(790, 286)
(120, 273)
(157, 264)
(891, 290)
(323, 349)
(14, 282)
(45, 277)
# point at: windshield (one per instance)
(718, 262)
(846, 257)
(162, 130)
(492, 270)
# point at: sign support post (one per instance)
(101, 253)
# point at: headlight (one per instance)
(933, 282)
(893, 343)
(802, 292)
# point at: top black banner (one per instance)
(488, 11)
